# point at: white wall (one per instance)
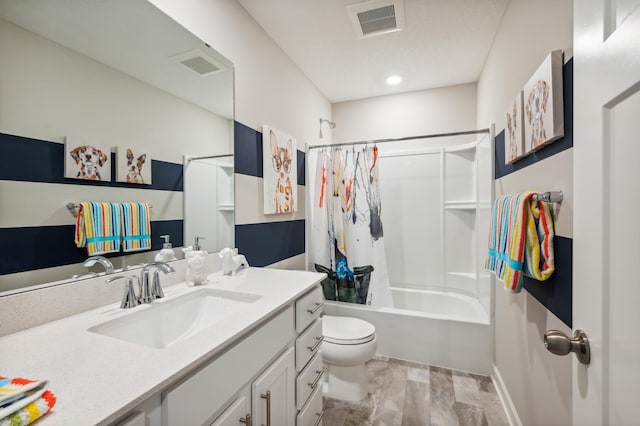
(269, 89)
(538, 382)
(446, 109)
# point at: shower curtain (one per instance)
(347, 232)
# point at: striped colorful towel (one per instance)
(136, 226)
(98, 227)
(521, 233)
(23, 401)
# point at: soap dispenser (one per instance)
(196, 262)
(166, 254)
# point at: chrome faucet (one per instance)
(108, 266)
(129, 299)
(150, 292)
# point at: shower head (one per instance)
(332, 125)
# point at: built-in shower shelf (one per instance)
(226, 207)
(460, 205)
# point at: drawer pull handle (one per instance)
(246, 419)
(315, 308)
(267, 396)
(315, 345)
(317, 379)
(320, 416)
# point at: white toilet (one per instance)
(348, 344)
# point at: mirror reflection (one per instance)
(120, 75)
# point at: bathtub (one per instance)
(440, 328)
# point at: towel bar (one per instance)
(550, 197)
(73, 206)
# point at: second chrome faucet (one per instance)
(147, 292)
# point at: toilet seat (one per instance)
(346, 330)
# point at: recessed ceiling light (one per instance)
(392, 80)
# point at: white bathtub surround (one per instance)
(43, 304)
(432, 335)
(98, 379)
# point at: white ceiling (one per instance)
(444, 43)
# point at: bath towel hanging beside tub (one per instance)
(520, 240)
(98, 227)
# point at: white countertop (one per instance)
(97, 379)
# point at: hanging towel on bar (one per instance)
(520, 240)
(136, 226)
(23, 401)
(98, 227)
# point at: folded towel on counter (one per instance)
(521, 232)
(23, 401)
(98, 227)
(136, 226)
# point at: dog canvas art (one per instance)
(87, 162)
(133, 166)
(280, 172)
(514, 146)
(543, 104)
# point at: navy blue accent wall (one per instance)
(248, 153)
(38, 247)
(247, 149)
(34, 160)
(556, 293)
(566, 142)
(267, 243)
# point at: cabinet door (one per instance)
(273, 393)
(238, 413)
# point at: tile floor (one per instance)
(408, 394)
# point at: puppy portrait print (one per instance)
(87, 161)
(513, 132)
(280, 171)
(543, 105)
(133, 165)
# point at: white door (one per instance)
(606, 286)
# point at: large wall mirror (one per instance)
(121, 75)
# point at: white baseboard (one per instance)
(505, 398)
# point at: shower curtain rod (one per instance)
(206, 157)
(406, 138)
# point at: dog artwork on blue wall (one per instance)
(87, 161)
(133, 165)
(543, 104)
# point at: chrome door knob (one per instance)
(560, 344)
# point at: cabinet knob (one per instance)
(315, 345)
(319, 419)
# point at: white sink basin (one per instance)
(166, 323)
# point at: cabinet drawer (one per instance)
(308, 308)
(312, 413)
(309, 380)
(308, 344)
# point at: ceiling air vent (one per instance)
(199, 62)
(376, 17)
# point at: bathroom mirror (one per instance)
(118, 74)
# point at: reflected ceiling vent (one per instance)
(199, 62)
(376, 17)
